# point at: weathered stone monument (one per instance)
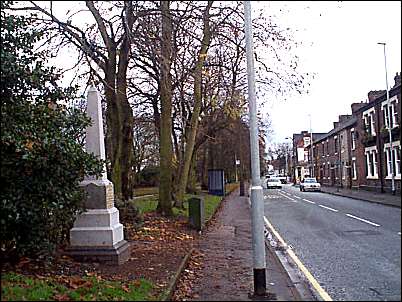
(97, 234)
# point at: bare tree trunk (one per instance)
(165, 186)
(126, 113)
(192, 177)
(192, 130)
(204, 173)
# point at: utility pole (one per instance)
(286, 158)
(311, 148)
(389, 124)
(257, 205)
(236, 178)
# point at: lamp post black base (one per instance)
(260, 283)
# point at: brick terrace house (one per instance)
(356, 152)
(332, 154)
(373, 153)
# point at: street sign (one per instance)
(237, 162)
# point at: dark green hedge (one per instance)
(42, 161)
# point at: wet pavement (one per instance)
(227, 273)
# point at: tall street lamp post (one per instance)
(286, 159)
(257, 205)
(391, 166)
(311, 150)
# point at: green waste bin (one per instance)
(196, 213)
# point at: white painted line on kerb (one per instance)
(324, 295)
(287, 197)
(309, 201)
(328, 208)
(364, 220)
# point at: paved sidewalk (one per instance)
(227, 274)
(382, 198)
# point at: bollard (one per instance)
(196, 213)
(241, 188)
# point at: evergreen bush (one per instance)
(42, 159)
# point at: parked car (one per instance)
(274, 182)
(283, 179)
(310, 184)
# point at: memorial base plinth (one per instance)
(114, 255)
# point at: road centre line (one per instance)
(363, 220)
(328, 208)
(309, 201)
(287, 197)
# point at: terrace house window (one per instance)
(368, 117)
(390, 111)
(328, 170)
(336, 144)
(396, 163)
(354, 170)
(353, 138)
(341, 144)
(371, 162)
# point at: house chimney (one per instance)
(357, 106)
(344, 117)
(336, 124)
(372, 95)
(397, 79)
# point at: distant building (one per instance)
(301, 164)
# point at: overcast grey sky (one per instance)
(340, 47)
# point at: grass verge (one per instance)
(211, 202)
(230, 187)
(146, 191)
(17, 287)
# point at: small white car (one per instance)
(273, 182)
(310, 184)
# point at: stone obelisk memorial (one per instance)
(97, 234)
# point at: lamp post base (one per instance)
(260, 283)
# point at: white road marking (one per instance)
(287, 197)
(314, 283)
(297, 197)
(364, 220)
(309, 201)
(328, 208)
(399, 233)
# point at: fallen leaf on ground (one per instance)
(60, 297)
(125, 288)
